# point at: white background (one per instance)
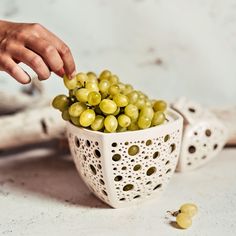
(195, 40)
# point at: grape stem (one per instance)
(174, 213)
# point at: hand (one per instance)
(36, 47)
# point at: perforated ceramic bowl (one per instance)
(204, 135)
(123, 169)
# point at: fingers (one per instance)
(8, 65)
(69, 64)
(64, 51)
(47, 51)
(31, 59)
(61, 72)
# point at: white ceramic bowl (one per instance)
(204, 135)
(119, 178)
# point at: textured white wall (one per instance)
(195, 41)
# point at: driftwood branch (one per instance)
(22, 98)
(228, 116)
(31, 126)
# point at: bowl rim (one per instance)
(171, 112)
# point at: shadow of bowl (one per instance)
(48, 176)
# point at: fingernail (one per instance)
(27, 77)
(61, 72)
(73, 74)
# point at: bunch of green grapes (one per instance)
(103, 103)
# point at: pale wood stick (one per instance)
(22, 98)
(31, 126)
(228, 117)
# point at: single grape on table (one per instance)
(184, 215)
(184, 220)
(103, 103)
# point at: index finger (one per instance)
(64, 51)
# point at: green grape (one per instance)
(183, 220)
(105, 74)
(114, 89)
(189, 208)
(148, 103)
(121, 100)
(92, 86)
(128, 89)
(142, 95)
(110, 123)
(72, 92)
(104, 86)
(82, 78)
(91, 73)
(140, 103)
(158, 118)
(113, 79)
(133, 97)
(92, 77)
(82, 94)
(133, 126)
(124, 121)
(87, 117)
(144, 122)
(116, 112)
(94, 98)
(75, 121)
(70, 83)
(108, 106)
(152, 102)
(121, 129)
(147, 111)
(77, 108)
(160, 105)
(121, 86)
(61, 102)
(98, 123)
(132, 111)
(65, 115)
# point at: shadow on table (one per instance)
(48, 175)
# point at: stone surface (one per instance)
(42, 194)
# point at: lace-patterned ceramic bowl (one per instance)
(126, 168)
(204, 135)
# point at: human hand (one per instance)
(36, 47)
